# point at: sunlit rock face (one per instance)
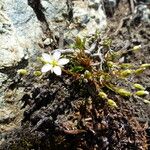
(21, 33)
(75, 17)
(89, 16)
(11, 50)
(21, 30)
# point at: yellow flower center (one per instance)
(54, 63)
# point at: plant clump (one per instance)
(81, 105)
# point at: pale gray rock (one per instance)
(6, 115)
(21, 33)
(87, 17)
(47, 41)
(143, 12)
(11, 53)
(90, 16)
(54, 10)
(10, 50)
(3, 79)
(27, 27)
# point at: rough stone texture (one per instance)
(89, 15)
(11, 52)
(19, 36)
(3, 78)
(143, 12)
(26, 25)
(76, 18)
(20, 28)
(21, 33)
(6, 116)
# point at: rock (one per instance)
(47, 41)
(12, 52)
(26, 25)
(54, 10)
(143, 12)
(86, 18)
(89, 15)
(110, 6)
(21, 33)
(6, 116)
(3, 78)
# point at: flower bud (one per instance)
(137, 47)
(111, 103)
(146, 101)
(145, 66)
(139, 71)
(123, 92)
(22, 72)
(126, 65)
(103, 95)
(138, 86)
(87, 74)
(37, 73)
(126, 73)
(142, 93)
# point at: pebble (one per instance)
(47, 41)
(6, 116)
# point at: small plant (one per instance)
(105, 70)
(102, 69)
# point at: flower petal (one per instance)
(46, 67)
(63, 61)
(46, 57)
(56, 55)
(57, 70)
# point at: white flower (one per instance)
(53, 63)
